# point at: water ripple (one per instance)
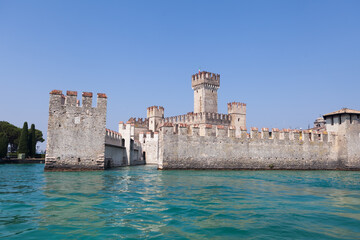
(141, 202)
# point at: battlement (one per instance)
(236, 108)
(155, 111)
(57, 99)
(113, 138)
(112, 134)
(205, 78)
(198, 118)
(77, 134)
(139, 122)
(264, 135)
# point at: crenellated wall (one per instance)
(199, 118)
(113, 138)
(139, 122)
(115, 152)
(205, 78)
(76, 133)
(216, 147)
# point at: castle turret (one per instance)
(237, 112)
(345, 125)
(76, 133)
(205, 86)
(154, 114)
(341, 120)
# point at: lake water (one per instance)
(142, 202)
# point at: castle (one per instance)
(77, 137)
(202, 139)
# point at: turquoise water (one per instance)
(142, 202)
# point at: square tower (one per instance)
(76, 134)
(155, 114)
(205, 86)
(237, 111)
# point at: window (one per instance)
(332, 120)
(238, 119)
(339, 119)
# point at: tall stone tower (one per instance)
(154, 114)
(205, 86)
(76, 134)
(237, 112)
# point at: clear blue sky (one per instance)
(290, 61)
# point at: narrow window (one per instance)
(350, 119)
(339, 119)
(332, 120)
(238, 119)
(79, 160)
(123, 142)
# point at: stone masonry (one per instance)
(202, 139)
(76, 135)
(206, 139)
(77, 139)
(219, 148)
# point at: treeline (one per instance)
(21, 140)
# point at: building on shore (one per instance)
(202, 139)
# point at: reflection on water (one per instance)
(141, 202)
(71, 197)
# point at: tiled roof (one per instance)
(343, 111)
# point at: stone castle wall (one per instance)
(76, 134)
(218, 148)
(115, 152)
(348, 134)
(150, 145)
(199, 118)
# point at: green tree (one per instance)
(12, 132)
(24, 140)
(32, 141)
(4, 142)
(39, 136)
